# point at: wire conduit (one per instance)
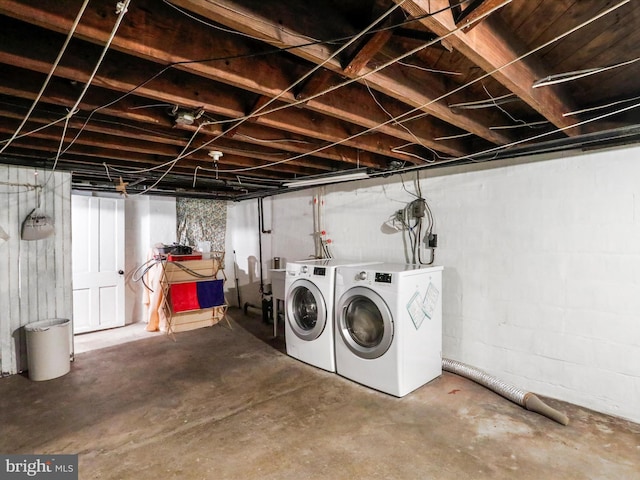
(527, 400)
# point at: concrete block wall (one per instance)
(543, 285)
(542, 265)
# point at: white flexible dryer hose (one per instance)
(527, 400)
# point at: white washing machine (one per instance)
(309, 307)
(388, 326)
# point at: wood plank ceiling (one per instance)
(235, 99)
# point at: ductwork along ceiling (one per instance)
(235, 99)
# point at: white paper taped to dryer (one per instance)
(37, 226)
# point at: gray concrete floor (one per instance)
(87, 342)
(223, 404)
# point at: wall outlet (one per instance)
(432, 240)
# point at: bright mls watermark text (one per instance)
(50, 467)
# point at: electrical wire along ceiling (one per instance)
(234, 99)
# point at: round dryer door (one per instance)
(306, 309)
(365, 322)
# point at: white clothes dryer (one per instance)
(309, 307)
(388, 326)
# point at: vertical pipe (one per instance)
(260, 244)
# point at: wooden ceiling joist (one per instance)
(489, 46)
(366, 51)
(473, 13)
(246, 71)
(422, 93)
(290, 89)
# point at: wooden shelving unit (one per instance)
(187, 272)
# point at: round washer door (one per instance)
(365, 322)
(306, 309)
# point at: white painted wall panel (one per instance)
(242, 236)
(148, 220)
(38, 273)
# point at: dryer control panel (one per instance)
(383, 277)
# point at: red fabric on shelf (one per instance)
(182, 258)
(184, 296)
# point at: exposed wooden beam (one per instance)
(418, 92)
(316, 83)
(115, 74)
(136, 141)
(477, 9)
(491, 47)
(44, 142)
(169, 39)
(366, 51)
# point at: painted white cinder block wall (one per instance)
(542, 264)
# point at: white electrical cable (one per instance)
(424, 69)
(162, 165)
(599, 107)
(430, 70)
(414, 155)
(257, 113)
(31, 132)
(498, 148)
(175, 161)
(401, 117)
(577, 74)
(497, 105)
(241, 119)
(261, 111)
(452, 137)
(152, 105)
(520, 125)
(421, 115)
(164, 69)
(478, 104)
(348, 82)
(227, 30)
(195, 176)
(517, 59)
(122, 6)
(418, 141)
(114, 30)
(273, 99)
(46, 82)
(404, 127)
(273, 140)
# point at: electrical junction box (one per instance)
(418, 208)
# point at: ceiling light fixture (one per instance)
(325, 179)
(216, 155)
(185, 117)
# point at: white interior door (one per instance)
(98, 262)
